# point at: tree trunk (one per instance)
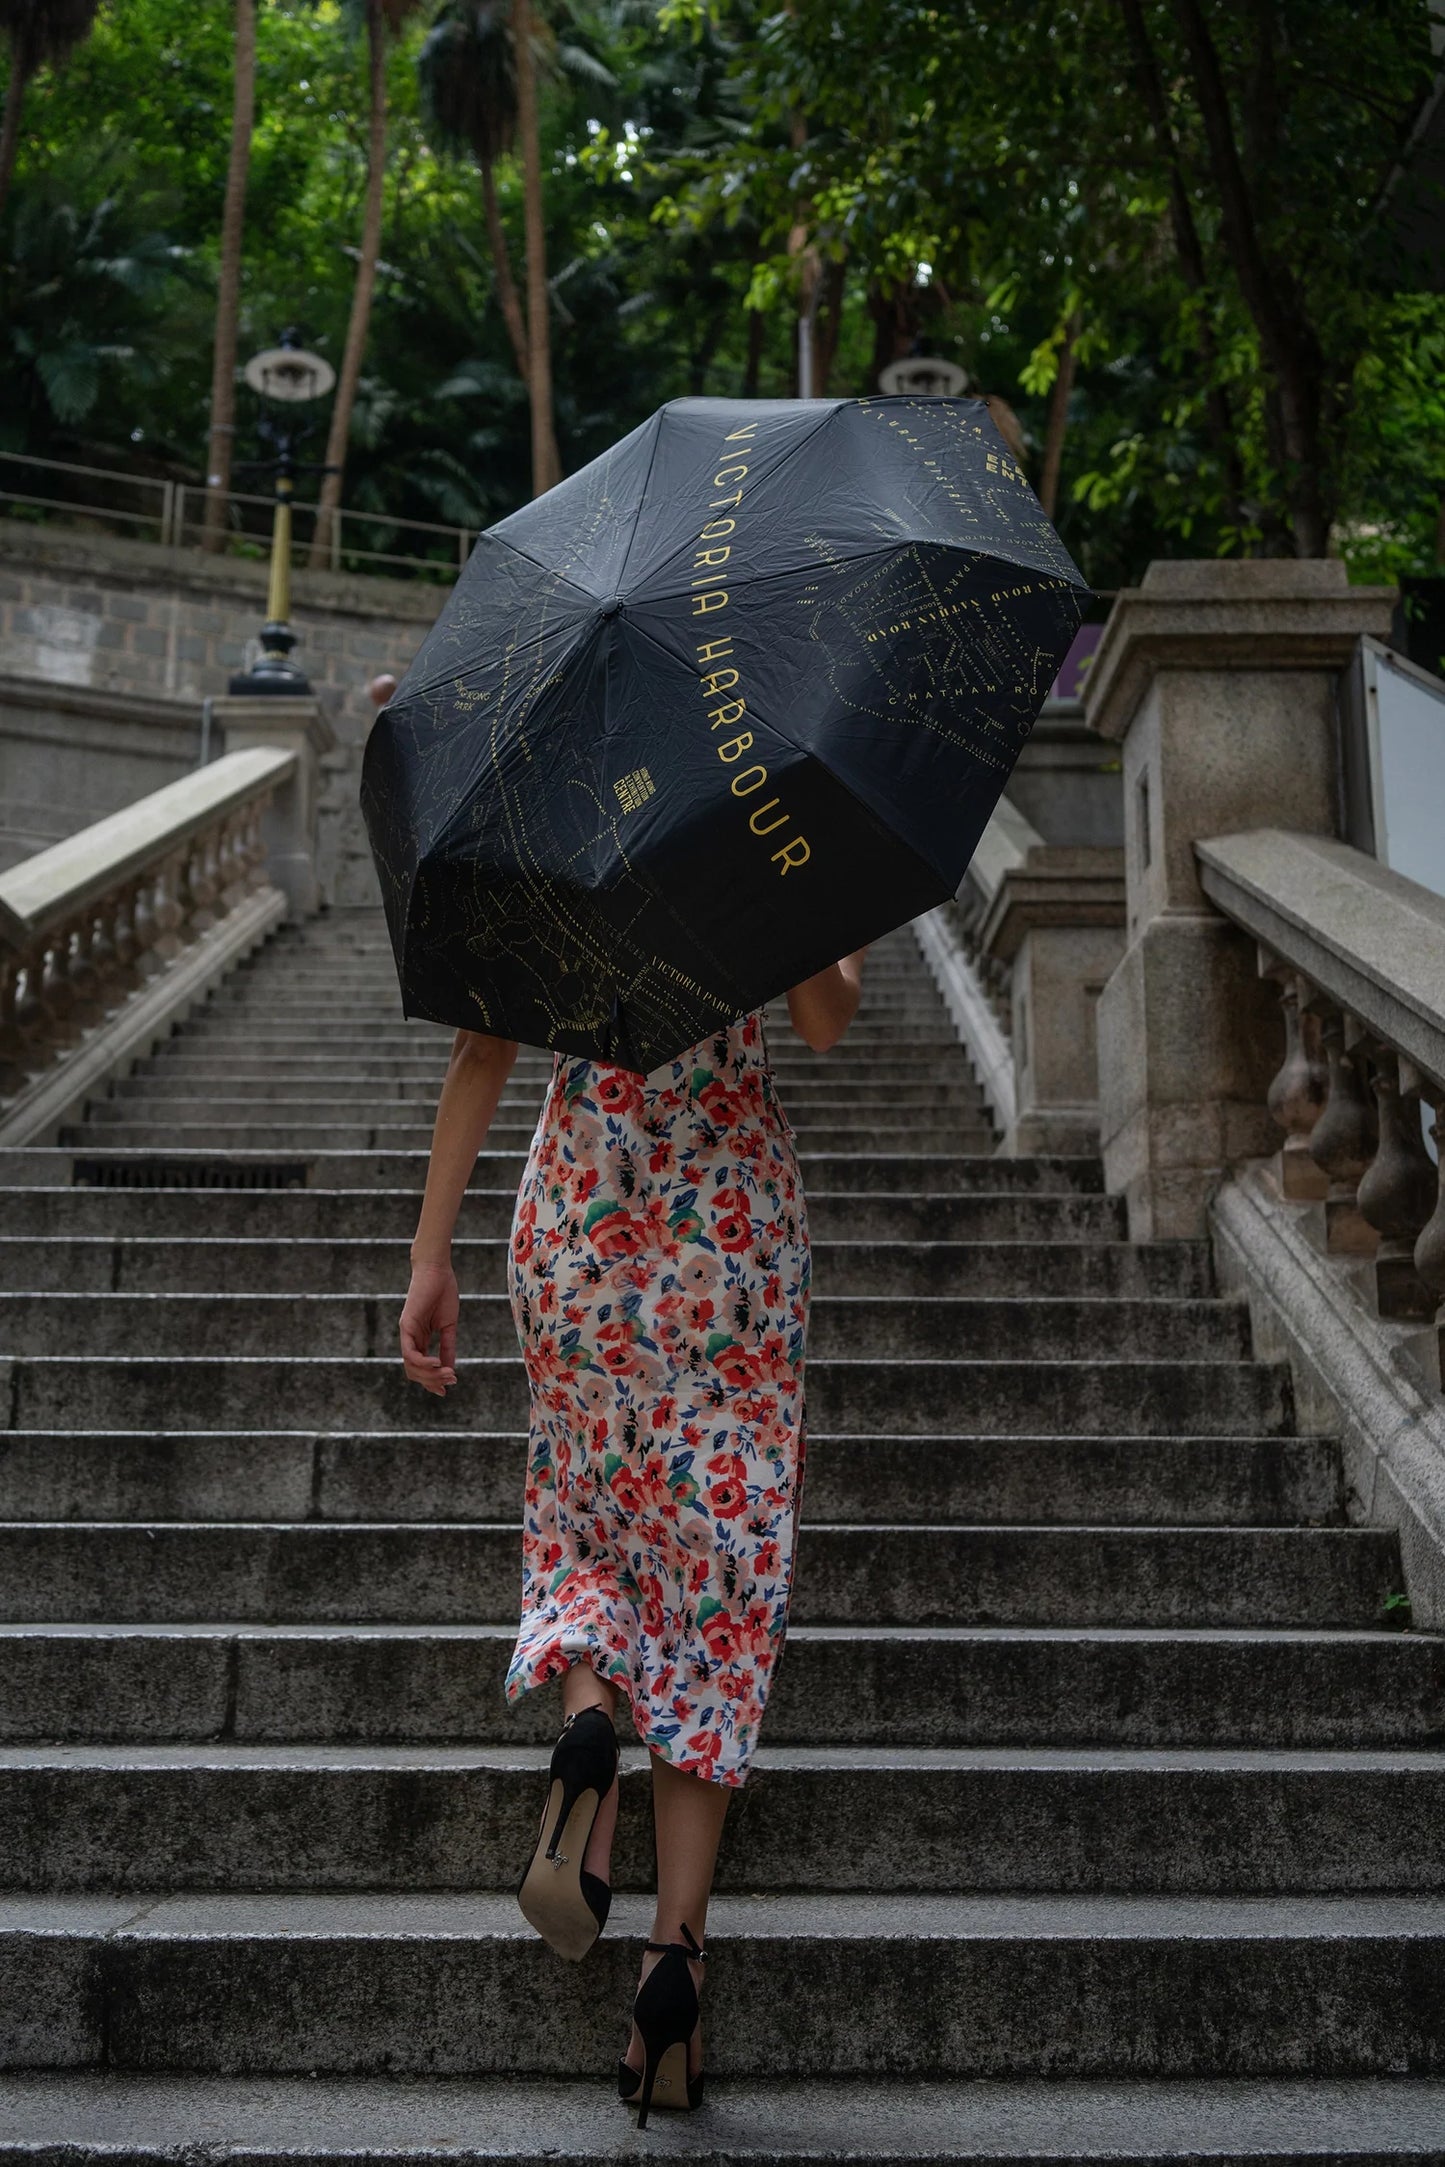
(752, 367)
(893, 329)
(221, 446)
(349, 375)
(830, 322)
(1190, 252)
(546, 465)
(1058, 420)
(10, 125)
(804, 371)
(1287, 341)
(508, 299)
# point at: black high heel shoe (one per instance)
(567, 1905)
(666, 2013)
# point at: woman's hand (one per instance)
(432, 1308)
(475, 1079)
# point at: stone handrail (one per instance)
(974, 985)
(1358, 953)
(1002, 848)
(86, 924)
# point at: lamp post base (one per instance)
(273, 672)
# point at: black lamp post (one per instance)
(286, 376)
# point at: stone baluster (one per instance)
(1344, 1139)
(1397, 1193)
(168, 912)
(125, 943)
(105, 956)
(85, 975)
(146, 928)
(55, 993)
(1298, 1090)
(1430, 1253)
(253, 841)
(232, 863)
(203, 881)
(14, 1065)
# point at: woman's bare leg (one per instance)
(688, 1813)
(582, 1688)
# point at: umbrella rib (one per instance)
(543, 632)
(641, 500)
(769, 479)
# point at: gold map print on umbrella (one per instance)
(736, 697)
(492, 810)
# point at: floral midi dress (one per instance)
(660, 1275)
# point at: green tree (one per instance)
(382, 19)
(220, 450)
(469, 87)
(39, 33)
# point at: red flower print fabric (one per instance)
(659, 1280)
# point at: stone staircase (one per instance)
(1100, 1811)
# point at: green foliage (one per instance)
(987, 179)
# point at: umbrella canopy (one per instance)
(729, 702)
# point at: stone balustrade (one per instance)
(1030, 941)
(88, 925)
(1358, 956)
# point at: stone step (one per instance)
(924, 1984)
(302, 1032)
(874, 1687)
(302, 1138)
(987, 1328)
(873, 1574)
(870, 1397)
(390, 1214)
(378, 984)
(335, 1818)
(858, 1172)
(153, 1264)
(85, 2120)
(426, 1064)
(378, 1100)
(414, 1475)
(243, 1054)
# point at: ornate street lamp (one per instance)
(923, 376)
(286, 377)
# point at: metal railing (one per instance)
(174, 513)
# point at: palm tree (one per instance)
(39, 32)
(228, 281)
(546, 465)
(469, 86)
(479, 68)
(381, 17)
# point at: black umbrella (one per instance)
(731, 701)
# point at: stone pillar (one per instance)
(1219, 680)
(1058, 920)
(291, 823)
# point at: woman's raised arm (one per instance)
(823, 1006)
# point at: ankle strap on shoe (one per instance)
(689, 1948)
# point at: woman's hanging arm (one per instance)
(471, 1090)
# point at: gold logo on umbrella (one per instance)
(635, 789)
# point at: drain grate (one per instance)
(140, 1172)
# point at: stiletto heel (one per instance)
(567, 1905)
(666, 2013)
